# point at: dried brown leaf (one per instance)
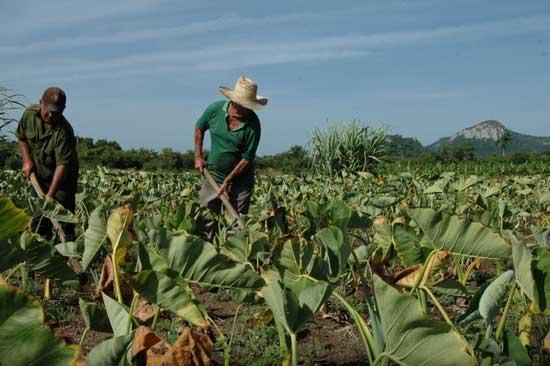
(191, 349)
(143, 310)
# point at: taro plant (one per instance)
(26, 340)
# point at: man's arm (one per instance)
(28, 165)
(58, 176)
(239, 168)
(199, 160)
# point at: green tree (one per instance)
(504, 141)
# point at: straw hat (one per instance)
(245, 94)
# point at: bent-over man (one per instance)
(48, 148)
(234, 134)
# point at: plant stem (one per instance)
(283, 346)
(226, 353)
(450, 322)
(132, 307)
(115, 264)
(422, 298)
(13, 270)
(24, 277)
(421, 277)
(502, 323)
(84, 336)
(368, 340)
(117, 281)
(294, 345)
(47, 290)
(155, 318)
(226, 360)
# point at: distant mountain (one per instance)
(404, 147)
(484, 135)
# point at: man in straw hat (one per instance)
(48, 148)
(234, 134)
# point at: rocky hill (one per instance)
(484, 136)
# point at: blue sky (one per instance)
(142, 71)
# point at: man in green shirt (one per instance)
(48, 148)
(234, 134)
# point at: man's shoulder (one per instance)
(254, 121)
(67, 128)
(31, 111)
(33, 107)
(217, 105)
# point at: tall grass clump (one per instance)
(347, 147)
(9, 102)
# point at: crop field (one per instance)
(423, 268)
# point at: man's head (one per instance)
(238, 111)
(52, 104)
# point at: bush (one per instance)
(349, 147)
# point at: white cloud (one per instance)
(37, 15)
(237, 55)
(220, 24)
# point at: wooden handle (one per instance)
(56, 225)
(224, 199)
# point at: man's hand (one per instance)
(200, 164)
(222, 189)
(27, 168)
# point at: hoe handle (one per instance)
(224, 198)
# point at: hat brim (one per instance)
(256, 104)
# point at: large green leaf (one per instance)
(412, 337)
(25, 340)
(244, 246)
(13, 220)
(337, 251)
(197, 261)
(10, 255)
(294, 303)
(95, 235)
(42, 257)
(451, 287)
(523, 261)
(453, 234)
(516, 350)
(383, 201)
(489, 304)
(471, 181)
(407, 245)
(118, 315)
(169, 291)
(383, 236)
(111, 352)
(94, 317)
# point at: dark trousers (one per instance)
(239, 197)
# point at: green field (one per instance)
(356, 269)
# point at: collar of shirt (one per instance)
(226, 115)
(45, 132)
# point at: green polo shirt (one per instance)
(228, 147)
(50, 147)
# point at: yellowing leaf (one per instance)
(118, 231)
(12, 219)
(409, 276)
